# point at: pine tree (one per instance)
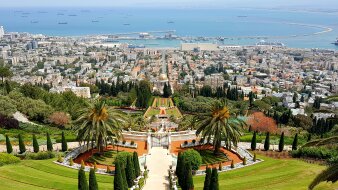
(8, 145)
(49, 143)
(281, 142)
(64, 146)
(136, 164)
(253, 142)
(35, 144)
(189, 183)
(207, 179)
(118, 178)
(295, 142)
(130, 175)
(267, 142)
(22, 146)
(82, 181)
(214, 180)
(92, 180)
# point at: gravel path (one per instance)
(56, 146)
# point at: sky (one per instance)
(329, 4)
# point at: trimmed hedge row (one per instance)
(314, 152)
(6, 159)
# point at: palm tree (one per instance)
(188, 121)
(135, 123)
(219, 125)
(97, 122)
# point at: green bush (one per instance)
(6, 159)
(314, 152)
(40, 155)
(193, 157)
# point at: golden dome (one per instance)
(163, 77)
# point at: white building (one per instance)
(2, 31)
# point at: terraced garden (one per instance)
(44, 174)
(106, 158)
(276, 174)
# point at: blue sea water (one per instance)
(291, 28)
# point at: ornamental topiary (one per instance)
(214, 180)
(22, 146)
(136, 164)
(35, 144)
(253, 141)
(281, 142)
(8, 145)
(244, 161)
(49, 143)
(92, 180)
(64, 145)
(207, 179)
(267, 142)
(232, 164)
(82, 181)
(193, 157)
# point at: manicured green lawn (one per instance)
(44, 174)
(271, 174)
(208, 157)
(107, 158)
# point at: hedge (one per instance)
(6, 159)
(314, 152)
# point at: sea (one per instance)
(238, 26)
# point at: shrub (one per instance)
(295, 142)
(124, 142)
(122, 156)
(136, 164)
(40, 155)
(95, 167)
(193, 141)
(141, 183)
(71, 161)
(60, 159)
(132, 143)
(214, 179)
(82, 164)
(22, 146)
(82, 181)
(6, 159)
(220, 166)
(35, 144)
(244, 161)
(118, 178)
(185, 142)
(207, 179)
(108, 170)
(92, 180)
(253, 141)
(254, 157)
(64, 145)
(130, 172)
(59, 119)
(49, 143)
(281, 143)
(232, 164)
(267, 142)
(261, 123)
(8, 123)
(8, 145)
(193, 157)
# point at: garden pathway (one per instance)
(158, 163)
(56, 146)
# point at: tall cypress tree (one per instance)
(8, 145)
(295, 142)
(130, 171)
(180, 168)
(22, 146)
(136, 164)
(35, 144)
(49, 143)
(124, 176)
(253, 141)
(281, 142)
(207, 179)
(188, 181)
(267, 142)
(82, 181)
(92, 180)
(214, 180)
(118, 178)
(64, 146)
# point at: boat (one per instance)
(126, 24)
(63, 23)
(34, 22)
(60, 14)
(242, 16)
(95, 21)
(170, 22)
(335, 43)
(72, 15)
